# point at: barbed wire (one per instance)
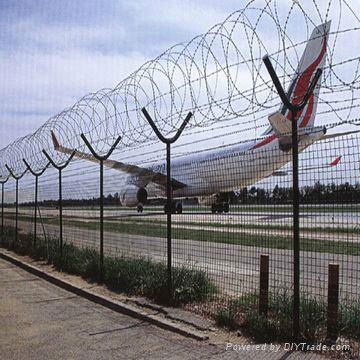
(219, 76)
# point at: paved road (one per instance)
(332, 216)
(200, 221)
(41, 321)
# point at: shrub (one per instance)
(143, 276)
(191, 285)
(277, 325)
(349, 319)
(226, 318)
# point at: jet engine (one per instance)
(132, 195)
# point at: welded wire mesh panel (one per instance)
(231, 170)
(224, 232)
(10, 205)
(219, 76)
(330, 218)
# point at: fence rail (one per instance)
(273, 230)
(226, 246)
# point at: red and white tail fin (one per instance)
(313, 58)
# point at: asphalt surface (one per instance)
(41, 321)
(330, 216)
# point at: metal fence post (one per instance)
(101, 160)
(60, 169)
(2, 212)
(2, 209)
(16, 209)
(17, 178)
(60, 212)
(294, 108)
(333, 303)
(36, 175)
(264, 284)
(101, 219)
(168, 142)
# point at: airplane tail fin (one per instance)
(313, 58)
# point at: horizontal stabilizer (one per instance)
(308, 168)
(331, 136)
(336, 161)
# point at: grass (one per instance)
(284, 242)
(129, 275)
(350, 319)
(145, 277)
(215, 225)
(266, 241)
(318, 229)
(242, 313)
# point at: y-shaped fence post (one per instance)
(36, 175)
(60, 169)
(168, 142)
(294, 108)
(17, 178)
(101, 160)
(2, 209)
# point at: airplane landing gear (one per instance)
(140, 208)
(176, 208)
(179, 208)
(220, 207)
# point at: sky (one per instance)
(54, 52)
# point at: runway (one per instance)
(234, 268)
(335, 225)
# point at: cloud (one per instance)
(37, 86)
(54, 53)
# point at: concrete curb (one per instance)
(105, 301)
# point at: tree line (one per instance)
(315, 194)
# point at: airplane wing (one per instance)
(143, 174)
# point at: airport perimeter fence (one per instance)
(237, 230)
(226, 245)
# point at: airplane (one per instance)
(209, 174)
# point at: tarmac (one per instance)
(42, 321)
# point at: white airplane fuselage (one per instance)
(205, 174)
(231, 168)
